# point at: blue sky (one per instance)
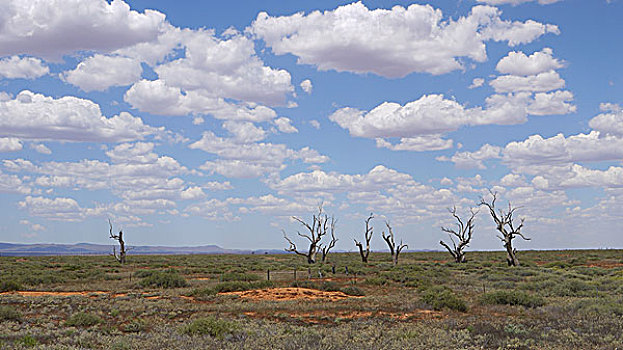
(190, 123)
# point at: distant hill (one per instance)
(10, 249)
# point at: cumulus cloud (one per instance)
(391, 43)
(473, 160)
(546, 81)
(476, 83)
(100, 72)
(38, 117)
(16, 67)
(518, 63)
(10, 144)
(59, 208)
(284, 125)
(416, 144)
(55, 28)
(40, 148)
(609, 123)
(247, 160)
(306, 85)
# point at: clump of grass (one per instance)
(440, 297)
(352, 290)
(29, 341)
(376, 281)
(239, 276)
(8, 313)
(163, 279)
(83, 319)
(304, 284)
(233, 286)
(329, 286)
(134, 326)
(9, 285)
(513, 297)
(211, 326)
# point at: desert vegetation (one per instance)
(553, 300)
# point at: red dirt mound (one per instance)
(290, 294)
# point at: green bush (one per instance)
(29, 341)
(376, 281)
(352, 290)
(439, 297)
(304, 284)
(83, 319)
(163, 279)
(9, 285)
(514, 297)
(211, 326)
(329, 286)
(233, 286)
(8, 313)
(238, 276)
(134, 326)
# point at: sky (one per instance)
(215, 122)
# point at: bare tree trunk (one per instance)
(321, 223)
(122, 250)
(364, 253)
(394, 249)
(505, 225)
(463, 233)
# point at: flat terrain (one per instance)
(554, 300)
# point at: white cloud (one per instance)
(556, 102)
(38, 117)
(54, 28)
(40, 148)
(315, 124)
(545, 81)
(476, 83)
(59, 208)
(416, 144)
(470, 160)
(306, 85)
(609, 123)
(285, 125)
(559, 149)
(244, 132)
(431, 114)
(10, 144)
(156, 97)
(516, 2)
(12, 184)
(15, 67)
(246, 160)
(518, 63)
(99, 72)
(391, 43)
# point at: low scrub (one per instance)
(211, 326)
(442, 297)
(163, 279)
(239, 276)
(8, 313)
(233, 286)
(9, 285)
(352, 290)
(514, 297)
(83, 320)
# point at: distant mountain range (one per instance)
(10, 249)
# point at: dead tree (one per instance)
(122, 249)
(326, 248)
(505, 225)
(463, 233)
(320, 226)
(368, 236)
(391, 243)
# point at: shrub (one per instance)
(233, 286)
(329, 286)
(134, 326)
(376, 281)
(83, 319)
(352, 290)
(237, 276)
(514, 297)
(439, 297)
(9, 285)
(29, 341)
(8, 313)
(163, 279)
(211, 326)
(304, 284)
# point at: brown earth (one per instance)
(290, 294)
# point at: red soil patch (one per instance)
(605, 264)
(201, 278)
(290, 294)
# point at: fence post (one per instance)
(295, 274)
(268, 274)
